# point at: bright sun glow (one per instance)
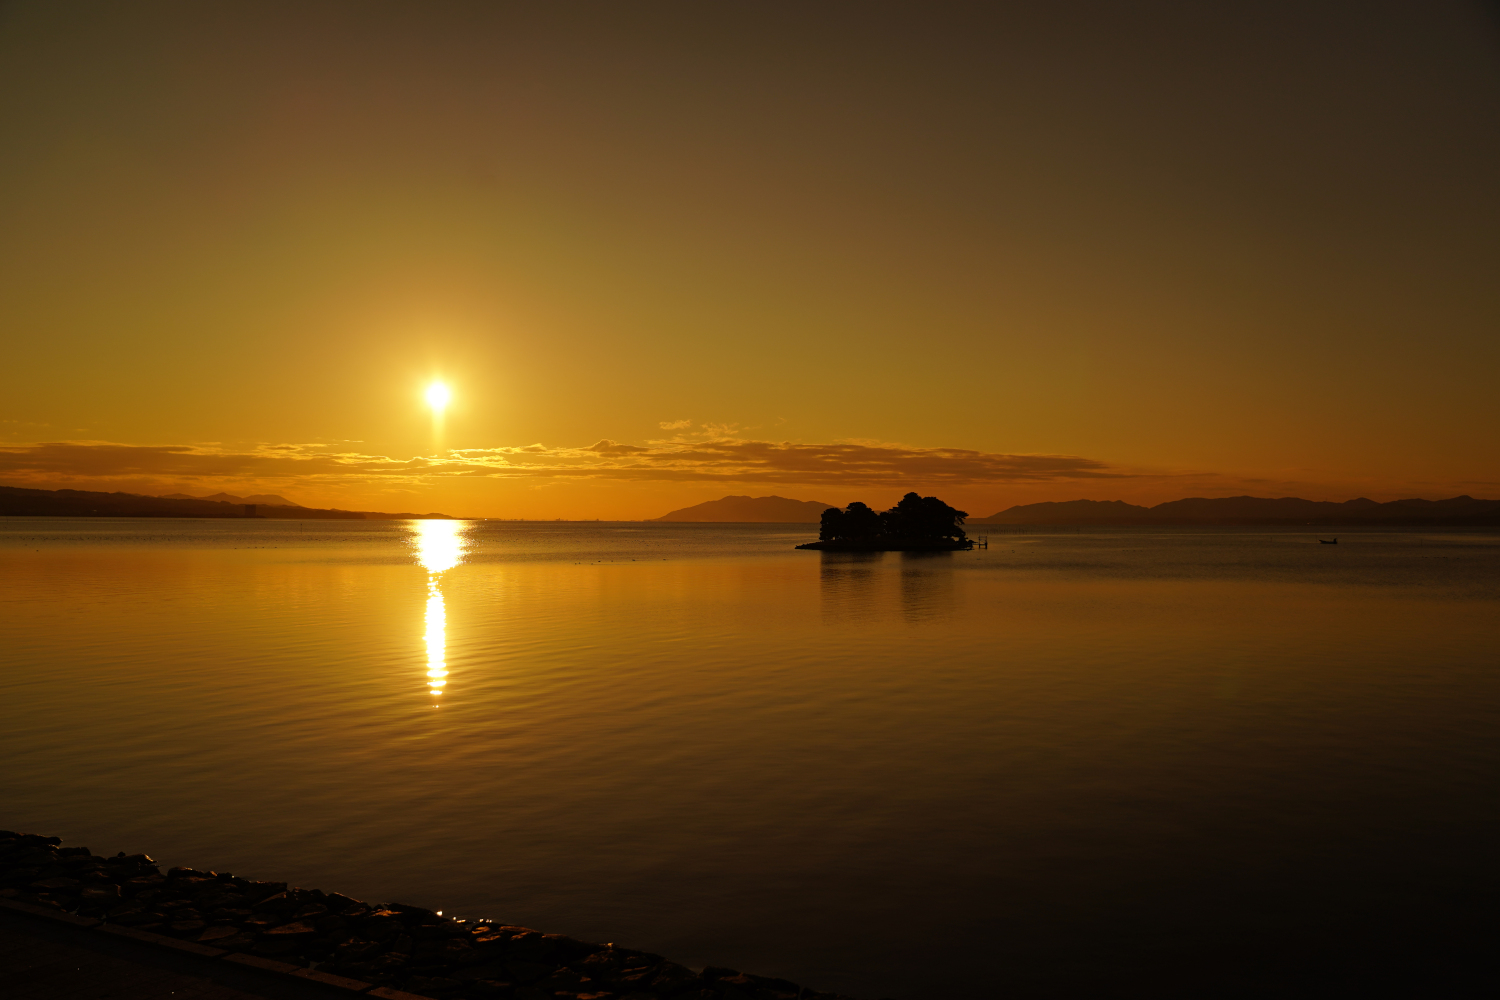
(440, 544)
(439, 547)
(438, 396)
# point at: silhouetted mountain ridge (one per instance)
(762, 510)
(270, 498)
(17, 501)
(1252, 510)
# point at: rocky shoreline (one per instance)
(389, 946)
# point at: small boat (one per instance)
(1327, 541)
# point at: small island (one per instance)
(916, 524)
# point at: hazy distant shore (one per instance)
(18, 502)
(1249, 511)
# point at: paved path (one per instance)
(43, 961)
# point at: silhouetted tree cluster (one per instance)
(915, 519)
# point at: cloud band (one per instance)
(720, 460)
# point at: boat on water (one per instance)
(1328, 541)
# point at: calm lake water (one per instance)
(1115, 763)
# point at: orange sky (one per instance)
(668, 252)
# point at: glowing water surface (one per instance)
(1195, 763)
(439, 547)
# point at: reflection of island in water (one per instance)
(440, 547)
(916, 524)
(860, 588)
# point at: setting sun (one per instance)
(438, 397)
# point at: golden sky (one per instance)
(664, 252)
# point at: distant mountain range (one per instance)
(231, 498)
(763, 510)
(1196, 510)
(1252, 510)
(18, 502)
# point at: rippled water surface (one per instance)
(1125, 763)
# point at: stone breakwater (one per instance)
(390, 946)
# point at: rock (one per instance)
(138, 918)
(672, 978)
(142, 883)
(445, 951)
(413, 914)
(357, 950)
(281, 902)
(533, 947)
(484, 970)
(265, 945)
(527, 972)
(564, 979)
(423, 952)
(257, 891)
(434, 986)
(53, 884)
(603, 963)
(490, 943)
(571, 949)
(133, 859)
(636, 978)
(295, 929)
(434, 930)
(212, 900)
(382, 925)
(225, 913)
(330, 923)
(389, 962)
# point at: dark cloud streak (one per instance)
(722, 460)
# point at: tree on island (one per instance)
(916, 520)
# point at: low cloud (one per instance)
(719, 460)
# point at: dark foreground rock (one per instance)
(394, 945)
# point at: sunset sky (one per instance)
(664, 252)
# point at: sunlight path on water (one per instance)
(440, 546)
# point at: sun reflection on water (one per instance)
(439, 547)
